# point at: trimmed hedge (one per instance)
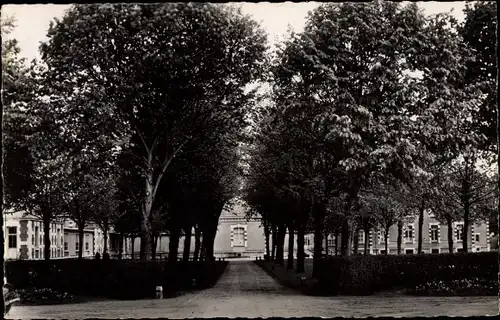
(118, 279)
(362, 275)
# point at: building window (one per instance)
(12, 231)
(32, 253)
(434, 250)
(408, 234)
(478, 249)
(36, 254)
(382, 251)
(431, 214)
(37, 236)
(32, 239)
(460, 249)
(409, 251)
(65, 246)
(86, 246)
(361, 237)
(459, 232)
(239, 236)
(77, 247)
(434, 233)
(476, 237)
(331, 242)
(380, 236)
(41, 240)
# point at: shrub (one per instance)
(121, 279)
(368, 274)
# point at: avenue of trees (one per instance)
(131, 119)
(141, 118)
(378, 113)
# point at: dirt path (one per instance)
(245, 290)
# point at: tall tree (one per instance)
(167, 68)
(479, 33)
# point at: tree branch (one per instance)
(166, 163)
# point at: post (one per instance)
(159, 292)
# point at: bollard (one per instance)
(193, 282)
(159, 292)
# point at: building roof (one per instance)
(236, 209)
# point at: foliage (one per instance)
(478, 31)
(171, 73)
(34, 296)
(122, 279)
(368, 274)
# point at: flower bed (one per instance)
(461, 287)
(35, 296)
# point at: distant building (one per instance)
(237, 235)
(25, 238)
(72, 244)
(434, 238)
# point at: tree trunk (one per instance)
(465, 232)
(420, 225)
(291, 241)
(173, 244)
(326, 243)
(187, 243)
(154, 247)
(132, 243)
(345, 249)
(209, 246)
(120, 252)
(367, 241)
(300, 249)
(202, 249)
(400, 235)
(337, 235)
(274, 236)
(47, 219)
(80, 240)
(449, 222)
(105, 236)
(280, 248)
(356, 242)
(386, 236)
(266, 234)
(197, 243)
(145, 218)
(145, 249)
(318, 240)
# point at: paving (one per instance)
(245, 290)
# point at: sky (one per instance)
(33, 20)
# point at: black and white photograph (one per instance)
(250, 160)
